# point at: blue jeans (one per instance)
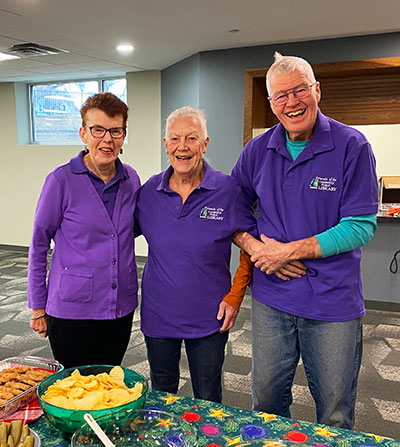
(331, 354)
(205, 357)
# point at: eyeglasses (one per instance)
(99, 131)
(300, 92)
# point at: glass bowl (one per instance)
(144, 428)
(36, 439)
(68, 421)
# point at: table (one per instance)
(222, 426)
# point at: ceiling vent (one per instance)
(33, 49)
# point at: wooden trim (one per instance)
(376, 98)
(351, 68)
(248, 100)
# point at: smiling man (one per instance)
(314, 182)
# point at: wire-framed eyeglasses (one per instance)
(300, 92)
(100, 131)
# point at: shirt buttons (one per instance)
(114, 261)
(177, 207)
(113, 285)
(113, 236)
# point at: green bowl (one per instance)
(140, 428)
(69, 421)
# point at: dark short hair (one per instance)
(108, 103)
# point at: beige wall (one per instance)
(143, 151)
(24, 167)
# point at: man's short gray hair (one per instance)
(288, 64)
(184, 112)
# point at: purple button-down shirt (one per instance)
(93, 271)
(333, 177)
(107, 192)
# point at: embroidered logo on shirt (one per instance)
(211, 213)
(323, 183)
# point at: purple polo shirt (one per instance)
(187, 272)
(93, 272)
(333, 177)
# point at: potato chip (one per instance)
(86, 403)
(92, 392)
(117, 375)
(75, 393)
(64, 384)
(118, 396)
(59, 401)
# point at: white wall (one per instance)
(24, 167)
(385, 142)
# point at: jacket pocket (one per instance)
(76, 285)
(132, 281)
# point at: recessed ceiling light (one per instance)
(234, 30)
(6, 57)
(125, 48)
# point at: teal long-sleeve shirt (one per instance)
(350, 233)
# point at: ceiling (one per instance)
(166, 31)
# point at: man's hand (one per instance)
(228, 313)
(279, 256)
(283, 259)
(273, 256)
(293, 269)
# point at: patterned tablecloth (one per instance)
(223, 426)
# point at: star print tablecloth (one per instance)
(223, 426)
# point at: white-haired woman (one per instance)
(188, 215)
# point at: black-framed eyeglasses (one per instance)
(300, 92)
(100, 131)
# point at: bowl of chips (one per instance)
(96, 389)
(138, 428)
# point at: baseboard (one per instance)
(19, 248)
(382, 305)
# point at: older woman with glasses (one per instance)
(86, 207)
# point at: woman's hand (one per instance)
(229, 314)
(39, 322)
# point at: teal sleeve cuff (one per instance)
(327, 244)
(350, 233)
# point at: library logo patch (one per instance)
(323, 183)
(211, 213)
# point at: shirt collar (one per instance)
(78, 167)
(208, 182)
(321, 141)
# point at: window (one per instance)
(55, 116)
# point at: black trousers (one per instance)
(89, 342)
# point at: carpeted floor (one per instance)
(378, 402)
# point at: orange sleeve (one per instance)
(240, 281)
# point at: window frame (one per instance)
(100, 88)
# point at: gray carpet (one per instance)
(378, 402)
